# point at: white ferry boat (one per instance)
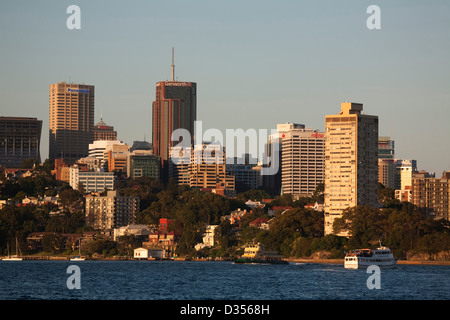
(382, 257)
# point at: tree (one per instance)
(289, 227)
(363, 223)
(71, 199)
(254, 195)
(223, 234)
(53, 243)
(385, 195)
(318, 194)
(101, 246)
(29, 163)
(126, 243)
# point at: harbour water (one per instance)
(189, 280)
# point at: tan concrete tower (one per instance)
(351, 161)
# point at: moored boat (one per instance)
(382, 257)
(255, 253)
(79, 257)
(16, 257)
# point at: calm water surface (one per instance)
(174, 280)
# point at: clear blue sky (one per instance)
(256, 63)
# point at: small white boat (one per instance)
(79, 257)
(15, 257)
(382, 257)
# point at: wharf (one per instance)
(41, 258)
(341, 261)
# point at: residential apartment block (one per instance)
(433, 194)
(110, 211)
(351, 161)
(387, 172)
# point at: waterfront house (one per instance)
(141, 253)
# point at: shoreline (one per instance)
(290, 260)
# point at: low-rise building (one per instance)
(15, 174)
(141, 253)
(257, 223)
(279, 209)
(209, 236)
(235, 216)
(315, 206)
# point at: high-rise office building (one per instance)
(102, 131)
(203, 167)
(175, 107)
(386, 148)
(247, 175)
(386, 162)
(303, 160)
(71, 120)
(405, 171)
(207, 168)
(99, 148)
(142, 163)
(19, 140)
(351, 161)
(272, 156)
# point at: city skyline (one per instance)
(256, 64)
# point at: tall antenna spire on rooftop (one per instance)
(173, 66)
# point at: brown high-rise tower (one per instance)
(175, 107)
(71, 120)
